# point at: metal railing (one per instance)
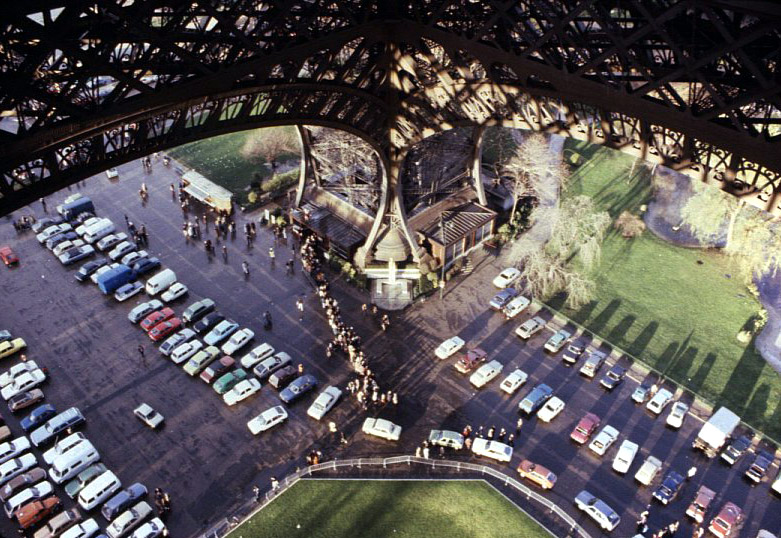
(252, 507)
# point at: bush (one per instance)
(252, 197)
(629, 225)
(281, 182)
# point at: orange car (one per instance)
(8, 256)
(537, 473)
(32, 513)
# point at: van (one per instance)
(74, 461)
(516, 306)
(160, 282)
(99, 490)
(98, 230)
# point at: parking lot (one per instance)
(208, 460)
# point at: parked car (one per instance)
(122, 500)
(134, 257)
(156, 317)
(669, 487)
(128, 290)
(38, 416)
(58, 239)
(100, 270)
(379, 427)
(573, 351)
(530, 327)
(5, 335)
(145, 266)
(517, 305)
(500, 300)
(111, 240)
(238, 340)
(150, 529)
(13, 448)
(121, 250)
(507, 278)
(557, 341)
(271, 364)
(143, 310)
(25, 382)
(221, 331)
(8, 256)
(241, 391)
(648, 470)
(146, 414)
(57, 525)
(197, 310)
(164, 329)
(185, 351)
(551, 409)
(24, 400)
(700, 504)
(129, 520)
(174, 292)
(514, 381)
(22, 481)
(63, 445)
(76, 254)
(10, 375)
(598, 510)
(736, 449)
(267, 419)
(762, 461)
(613, 378)
(585, 428)
(229, 380)
(486, 373)
(593, 363)
(297, 388)
(447, 439)
(537, 474)
(201, 360)
(175, 341)
(450, 346)
(603, 440)
(16, 466)
(35, 512)
(208, 322)
(535, 399)
(659, 401)
(259, 353)
(70, 418)
(625, 456)
(85, 529)
(728, 520)
(324, 402)
(112, 173)
(677, 414)
(641, 393)
(81, 481)
(66, 245)
(492, 449)
(9, 347)
(38, 492)
(470, 360)
(217, 369)
(52, 231)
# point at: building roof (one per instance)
(458, 222)
(327, 224)
(204, 190)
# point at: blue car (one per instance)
(298, 388)
(145, 265)
(40, 414)
(669, 488)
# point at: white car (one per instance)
(514, 381)
(267, 419)
(185, 351)
(15, 371)
(63, 445)
(111, 240)
(133, 257)
(121, 250)
(150, 529)
(85, 529)
(148, 416)
(39, 491)
(82, 228)
(530, 327)
(128, 520)
(379, 427)
(446, 438)
(65, 245)
(625, 456)
(659, 401)
(25, 382)
(94, 276)
(324, 402)
(492, 449)
(259, 353)
(16, 466)
(13, 448)
(51, 231)
(112, 173)
(677, 414)
(598, 510)
(239, 339)
(507, 278)
(176, 340)
(557, 341)
(128, 290)
(143, 310)
(176, 290)
(223, 330)
(551, 409)
(648, 470)
(486, 373)
(603, 440)
(243, 390)
(449, 347)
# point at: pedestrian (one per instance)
(255, 489)
(141, 349)
(300, 368)
(43, 204)
(364, 308)
(374, 309)
(518, 426)
(691, 472)
(271, 255)
(418, 451)
(425, 452)
(173, 191)
(225, 252)
(245, 268)
(300, 307)
(274, 483)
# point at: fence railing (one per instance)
(252, 507)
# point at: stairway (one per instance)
(468, 267)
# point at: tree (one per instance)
(268, 145)
(707, 209)
(532, 169)
(629, 225)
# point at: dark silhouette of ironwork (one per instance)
(692, 84)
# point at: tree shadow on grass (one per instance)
(602, 319)
(617, 333)
(757, 408)
(703, 371)
(740, 385)
(643, 339)
(679, 370)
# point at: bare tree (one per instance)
(530, 170)
(268, 145)
(578, 231)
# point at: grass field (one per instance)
(390, 509)
(659, 303)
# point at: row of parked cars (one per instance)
(27, 490)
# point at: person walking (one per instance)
(245, 268)
(225, 252)
(141, 350)
(256, 492)
(300, 308)
(271, 255)
(43, 204)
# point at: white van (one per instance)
(99, 490)
(516, 306)
(99, 230)
(74, 461)
(160, 282)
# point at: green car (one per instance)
(89, 474)
(229, 380)
(201, 360)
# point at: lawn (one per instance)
(390, 509)
(677, 309)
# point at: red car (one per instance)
(587, 426)
(161, 330)
(470, 360)
(726, 523)
(156, 318)
(8, 256)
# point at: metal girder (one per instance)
(86, 85)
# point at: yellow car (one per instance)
(9, 347)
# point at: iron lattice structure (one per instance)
(87, 85)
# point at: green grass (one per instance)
(657, 302)
(220, 159)
(390, 509)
